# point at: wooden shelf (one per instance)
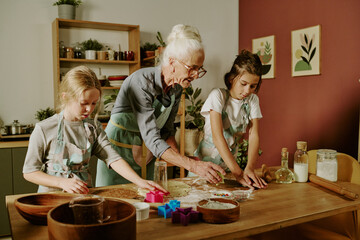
(133, 44)
(78, 60)
(110, 88)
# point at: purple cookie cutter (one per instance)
(185, 216)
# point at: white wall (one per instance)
(26, 45)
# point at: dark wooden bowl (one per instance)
(35, 207)
(210, 215)
(121, 225)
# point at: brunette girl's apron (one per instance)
(233, 130)
(69, 160)
(124, 134)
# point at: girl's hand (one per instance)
(73, 185)
(252, 179)
(150, 185)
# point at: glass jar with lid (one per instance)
(326, 164)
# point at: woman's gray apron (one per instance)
(69, 160)
(232, 134)
(124, 134)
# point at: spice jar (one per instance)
(69, 52)
(326, 164)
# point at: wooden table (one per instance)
(278, 206)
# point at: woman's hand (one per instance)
(208, 170)
(73, 185)
(150, 185)
(252, 179)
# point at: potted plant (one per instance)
(161, 41)
(148, 49)
(242, 155)
(90, 47)
(43, 114)
(66, 8)
(194, 121)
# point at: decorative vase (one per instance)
(66, 11)
(90, 54)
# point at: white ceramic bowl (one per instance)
(142, 210)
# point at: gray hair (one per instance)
(182, 42)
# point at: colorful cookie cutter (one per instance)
(185, 216)
(168, 208)
(155, 196)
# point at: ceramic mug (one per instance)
(89, 209)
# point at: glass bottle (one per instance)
(77, 51)
(284, 174)
(301, 162)
(326, 164)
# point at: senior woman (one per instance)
(146, 106)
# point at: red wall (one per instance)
(321, 109)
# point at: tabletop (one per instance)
(278, 206)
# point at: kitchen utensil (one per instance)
(213, 215)
(335, 187)
(35, 207)
(15, 128)
(122, 223)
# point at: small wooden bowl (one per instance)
(121, 225)
(210, 215)
(35, 207)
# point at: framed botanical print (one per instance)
(264, 47)
(305, 51)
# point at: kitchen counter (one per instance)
(14, 144)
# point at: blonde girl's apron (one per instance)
(69, 160)
(124, 134)
(232, 131)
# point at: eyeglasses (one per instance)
(200, 72)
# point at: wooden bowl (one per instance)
(122, 223)
(211, 215)
(35, 207)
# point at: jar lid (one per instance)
(326, 153)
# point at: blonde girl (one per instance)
(61, 146)
(228, 114)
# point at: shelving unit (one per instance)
(133, 44)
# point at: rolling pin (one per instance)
(333, 187)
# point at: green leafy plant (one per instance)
(149, 46)
(242, 155)
(44, 113)
(160, 39)
(192, 111)
(91, 45)
(75, 3)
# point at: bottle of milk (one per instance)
(301, 162)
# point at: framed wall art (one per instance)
(305, 51)
(264, 47)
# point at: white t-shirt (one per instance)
(218, 100)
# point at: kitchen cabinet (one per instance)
(12, 181)
(71, 31)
